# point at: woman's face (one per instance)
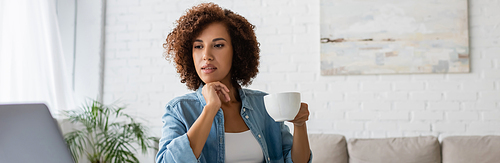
(213, 54)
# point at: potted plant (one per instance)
(107, 134)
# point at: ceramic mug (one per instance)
(283, 106)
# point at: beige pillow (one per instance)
(328, 148)
(424, 149)
(467, 149)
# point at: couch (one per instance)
(332, 148)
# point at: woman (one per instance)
(216, 52)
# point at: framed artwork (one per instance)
(394, 37)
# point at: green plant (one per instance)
(108, 134)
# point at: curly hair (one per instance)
(180, 41)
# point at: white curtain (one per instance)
(32, 66)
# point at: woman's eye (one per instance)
(197, 47)
(219, 45)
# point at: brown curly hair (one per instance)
(245, 46)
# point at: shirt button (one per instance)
(268, 159)
(243, 109)
(259, 136)
(246, 117)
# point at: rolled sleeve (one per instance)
(174, 143)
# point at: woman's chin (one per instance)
(213, 78)
(210, 80)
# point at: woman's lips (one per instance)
(207, 69)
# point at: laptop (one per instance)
(29, 133)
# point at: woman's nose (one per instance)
(207, 55)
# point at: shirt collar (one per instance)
(244, 101)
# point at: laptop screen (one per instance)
(28, 133)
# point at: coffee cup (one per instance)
(282, 106)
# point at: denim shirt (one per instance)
(274, 137)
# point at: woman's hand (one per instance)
(301, 152)
(302, 116)
(214, 92)
(199, 131)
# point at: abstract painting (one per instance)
(394, 37)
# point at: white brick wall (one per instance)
(356, 106)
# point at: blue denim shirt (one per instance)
(274, 137)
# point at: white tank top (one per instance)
(243, 148)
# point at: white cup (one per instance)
(283, 106)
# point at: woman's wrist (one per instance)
(211, 108)
(301, 124)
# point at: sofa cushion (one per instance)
(395, 150)
(328, 148)
(466, 149)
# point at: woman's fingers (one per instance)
(224, 87)
(226, 95)
(221, 86)
(302, 116)
(221, 90)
